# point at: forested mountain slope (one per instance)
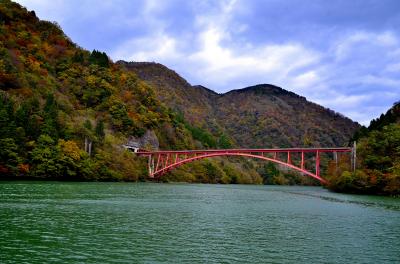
(258, 116)
(195, 102)
(378, 158)
(65, 112)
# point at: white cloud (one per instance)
(159, 47)
(336, 100)
(211, 56)
(306, 80)
(269, 62)
(352, 42)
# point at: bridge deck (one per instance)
(270, 150)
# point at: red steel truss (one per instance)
(160, 162)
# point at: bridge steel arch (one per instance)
(160, 162)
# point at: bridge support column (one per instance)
(151, 166)
(302, 160)
(335, 158)
(317, 161)
(166, 161)
(354, 157)
(158, 161)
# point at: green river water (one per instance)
(56, 222)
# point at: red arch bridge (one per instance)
(162, 161)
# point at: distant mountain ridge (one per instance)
(262, 115)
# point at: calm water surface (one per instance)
(182, 223)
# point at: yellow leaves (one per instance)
(123, 79)
(70, 148)
(36, 39)
(91, 80)
(47, 48)
(107, 86)
(33, 64)
(150, 118)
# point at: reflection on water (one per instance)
(181, 223)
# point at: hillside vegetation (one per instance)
(65, 113)
(257, 116)
(378, 162)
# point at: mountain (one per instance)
(65, 113)
(258, 116)
(195, 102)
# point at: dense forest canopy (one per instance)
(378, 163)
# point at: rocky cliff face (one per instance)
(148, 141)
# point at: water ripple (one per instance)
(166, 223)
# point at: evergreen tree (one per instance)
(50, 126)
(78, 57)
(9, 159)
(7, 118)
(224, 142)
(99, 58)
(100, 129)
(27, 116)
(45, 158)
(88, 125)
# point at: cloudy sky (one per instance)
(342, 54)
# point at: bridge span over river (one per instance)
(304, 160)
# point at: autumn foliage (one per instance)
(378, 162)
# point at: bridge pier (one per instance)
(317, 161)
(354, 157)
